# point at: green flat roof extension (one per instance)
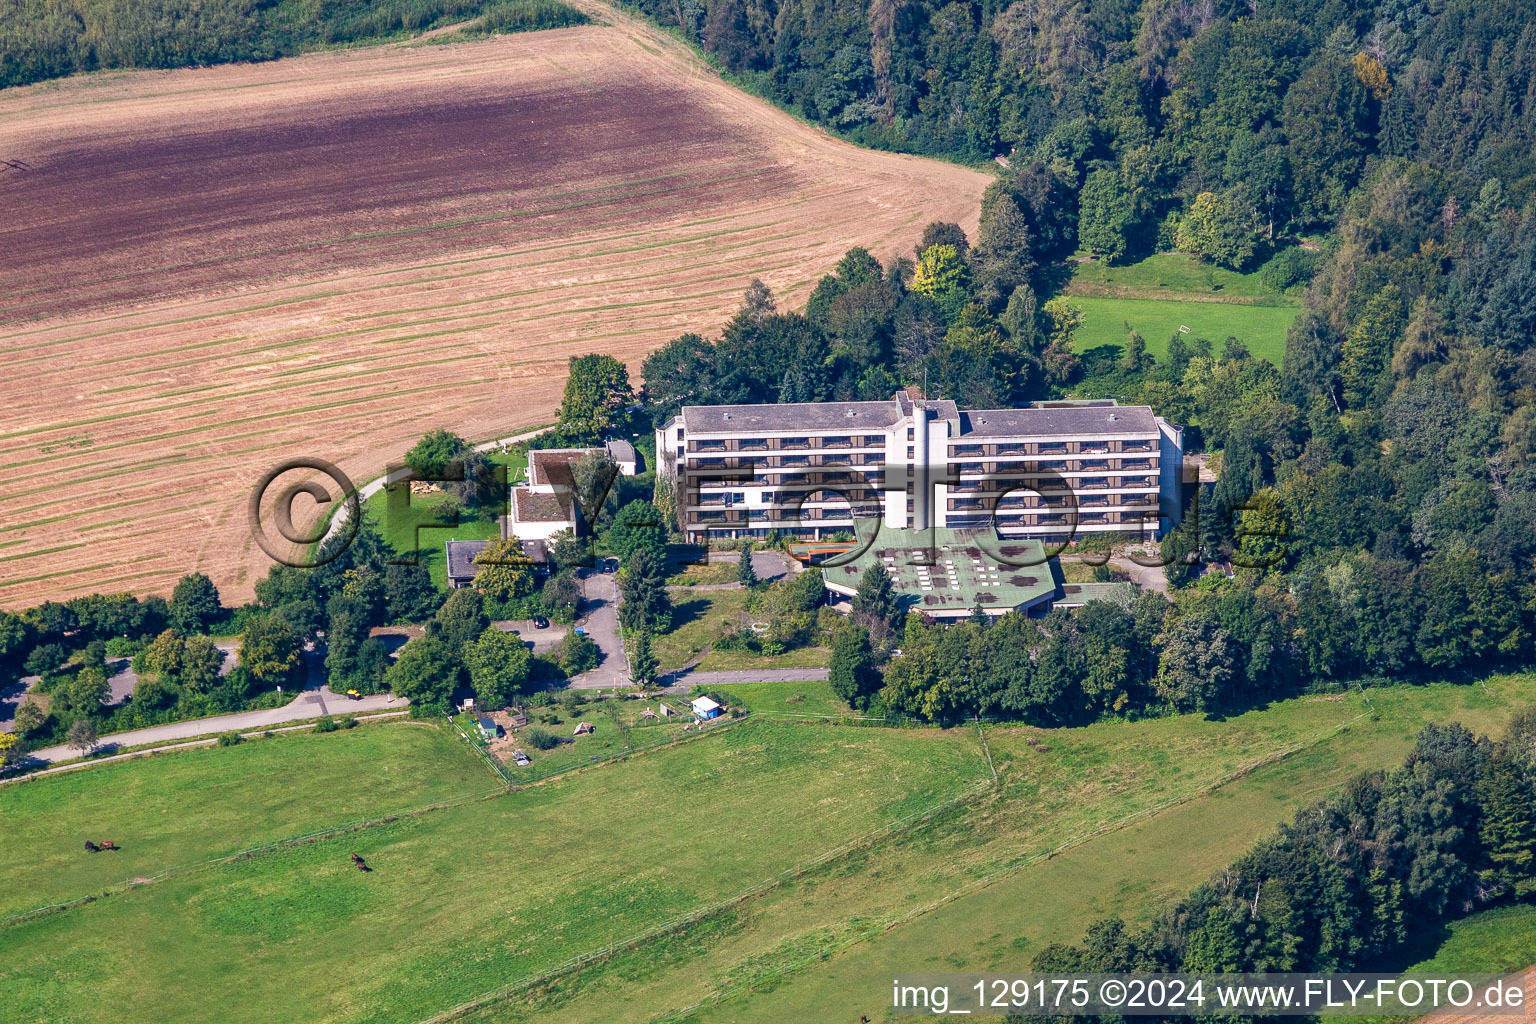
(947, 572)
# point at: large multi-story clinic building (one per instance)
(808, 469)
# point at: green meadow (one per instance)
(858, 850)
(1162, 293)
(183, 808)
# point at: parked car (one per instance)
(540, 622)
(608, 568)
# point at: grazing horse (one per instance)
(107, 844)
(92, 847)
(362, 865)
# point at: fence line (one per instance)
(692, 917)
(493, 763)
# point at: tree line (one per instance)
(42, 39)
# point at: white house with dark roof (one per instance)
(810, 469)
(546, 504)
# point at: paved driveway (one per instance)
(600, 618)
(544, 641)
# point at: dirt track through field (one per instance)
(206, 272)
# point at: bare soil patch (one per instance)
(207, 272)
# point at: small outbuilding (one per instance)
(583, 729)
(487, 726)
(705, 708)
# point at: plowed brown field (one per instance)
(206, 272)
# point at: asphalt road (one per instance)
(308, 704)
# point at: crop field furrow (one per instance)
(218, 266)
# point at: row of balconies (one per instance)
(714, 499)
(792, 462)
(1017, 502)
(1064, 466)
(1049, 448)
(1013, 485)
(771, 444)
(819, 516)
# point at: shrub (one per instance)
(124, 647)
(539, 737)
(347, 722)
(230, 739)
(326, 725)
(1290, 267)
(527, 16)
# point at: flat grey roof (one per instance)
(792, 416)
(620, 450)
(1059, 419)
(461, 558)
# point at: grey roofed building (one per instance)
(623, 455)
(537, 552)
(1058, 419)
(1054, 470)
(461, 560)
(714, 419)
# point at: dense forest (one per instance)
(42, 39)
(1135, 108)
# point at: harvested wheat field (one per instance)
(204, 273)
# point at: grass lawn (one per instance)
(1261, 327)
(182, 808)
(413, 528)
(788, 698)
(799, 657)
(469, 898)
(1135, 871)
(701, 616)
(1172, 275)
(698, 618)
(687, 574)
